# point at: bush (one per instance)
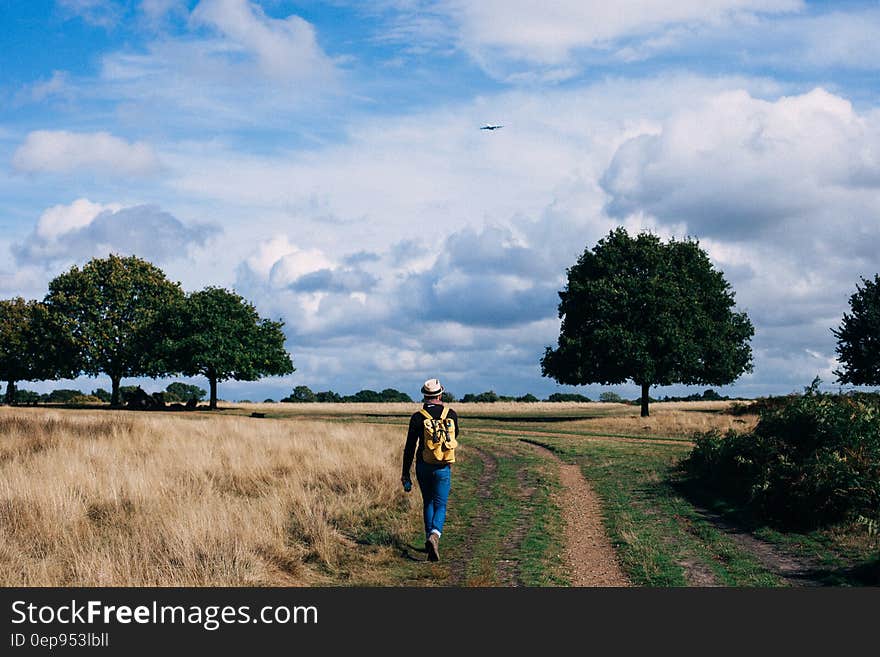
(528, 398)
(489, 397)
(27, 397)
(63, 396)
(102, 394)
(567, 397)
(84, 400)
(392, 395)
(328, 396)
(760, 405)
(813, 460)
(610, 398)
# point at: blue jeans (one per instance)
(434, 482)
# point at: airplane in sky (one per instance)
(491, 127)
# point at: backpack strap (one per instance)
(444, 413)
(426, 414)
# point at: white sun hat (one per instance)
(432, 388)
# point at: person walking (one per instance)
(431, 440)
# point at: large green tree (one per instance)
(858, 337)
(32, 345)
(218, 334)
(655, 313)
(115, 310)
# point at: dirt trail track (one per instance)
(484, 491)
(590, 556)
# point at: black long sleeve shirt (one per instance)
(414, 436)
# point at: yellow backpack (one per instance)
(438, 439)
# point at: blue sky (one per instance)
(325, 160)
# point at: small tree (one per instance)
(218, 334)
(101, 394)
(858, 337)
(182, 392)
(657, 314)
(114, 309)
(610, 397)
(392, 395)
(301, 395)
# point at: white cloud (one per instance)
(735, 165)
(61, 219)
(83, 229)
(59, 151)
(104, 13)
(284, 48)
(57, 86)
(233, 66)
(505, 35)
(156, 11)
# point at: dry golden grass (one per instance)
(672, 419)
(120, 499)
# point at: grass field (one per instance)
(309, 494)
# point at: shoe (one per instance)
(433, 547)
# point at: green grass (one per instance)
(654, 529)
(524, 526)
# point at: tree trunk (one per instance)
(10, 393)
(645, 388)
(114, 395)
(213, 379)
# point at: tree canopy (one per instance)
(218, 334)
(183, 392)
(32, 345)
(636, 308)
(858, 337)
(113, 308)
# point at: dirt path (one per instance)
(458, 566)
(590, 556)
(508, 570)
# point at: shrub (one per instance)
(63, 395)
(27, 397)
(610, 397)
(813, 460)
(102, 394)
(328, 396)
(485, 397)
(84, 400)
(760, 405)
(567, 397)
(528, 398)
(392, 395)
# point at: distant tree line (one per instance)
(304, 394)
(122, 317)
(174, 392)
